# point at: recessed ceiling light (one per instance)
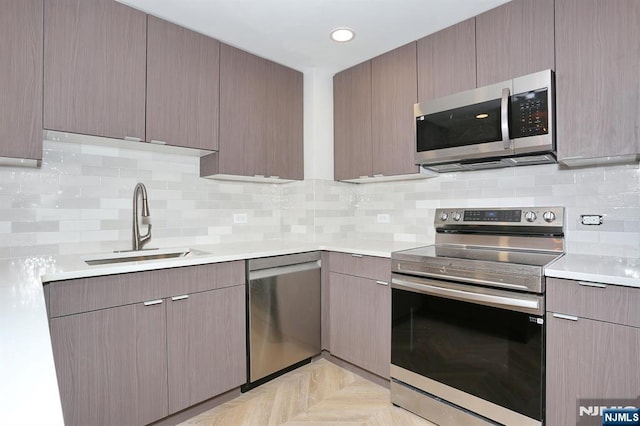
(481, 116)
(342, 35)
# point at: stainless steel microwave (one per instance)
(505, 124)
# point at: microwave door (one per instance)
(464, 126)
(472, 131)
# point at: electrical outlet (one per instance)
(384, 218)
(591, 219)
(239, 218)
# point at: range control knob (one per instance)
(549, 216)
(457, 216)
(444, 216)
(530, 216)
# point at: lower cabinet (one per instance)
(153, 355)
(593, 350)
(589, 363)
(206, 345)
(111, 365)
(360, 311)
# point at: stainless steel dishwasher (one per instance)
(283, 315)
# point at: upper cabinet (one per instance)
(260, 119)
(182, 86)
(514, 39)
(447, 61)
(284, 127)
(352, 155)
(393, 93)
(597, 79)
(95, 62)
(373, 117)
(21, 79)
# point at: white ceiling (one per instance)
(296, 32)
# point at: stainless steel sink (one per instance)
(141, 255)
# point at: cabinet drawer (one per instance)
(376, 268)
(597, 301)
(88, 294)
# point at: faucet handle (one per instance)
(146, 237)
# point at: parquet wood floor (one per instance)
(320, 393)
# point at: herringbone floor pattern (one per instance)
(320, 393)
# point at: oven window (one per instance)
(494, 354)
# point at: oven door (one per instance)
(477, 348)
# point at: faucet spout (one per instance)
(140, 192)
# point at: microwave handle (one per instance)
(504, 117)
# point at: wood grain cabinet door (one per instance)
(515, 39)
(597, 78)
(94, 68)
(360, 321)
(261, 119)
(182, 86)
(352, 157)
(284, 134)
(447, 61)
(111, 365)
(206, 345)
(588, 360)
(394, 92)
(243, 103)
(21, 79)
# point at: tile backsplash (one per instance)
(80, 201)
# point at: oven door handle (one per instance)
(530, 304)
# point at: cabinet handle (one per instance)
(176, 298)
(132, 139)
(355, 255)
(590, 284)
(153, 302)
(158, 142)
(565, 317)
(382, 282)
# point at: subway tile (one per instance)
(35, 226)
(34, 250)
(19, 240)
(79, 225)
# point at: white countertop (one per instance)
(28, 385)
(623, 271)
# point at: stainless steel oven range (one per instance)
(468, 330)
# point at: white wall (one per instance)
(318, 124)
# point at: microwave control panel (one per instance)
(529, 114)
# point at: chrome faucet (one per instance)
(140, 240)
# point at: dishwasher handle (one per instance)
(283, 270)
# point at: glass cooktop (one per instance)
(443, 252)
